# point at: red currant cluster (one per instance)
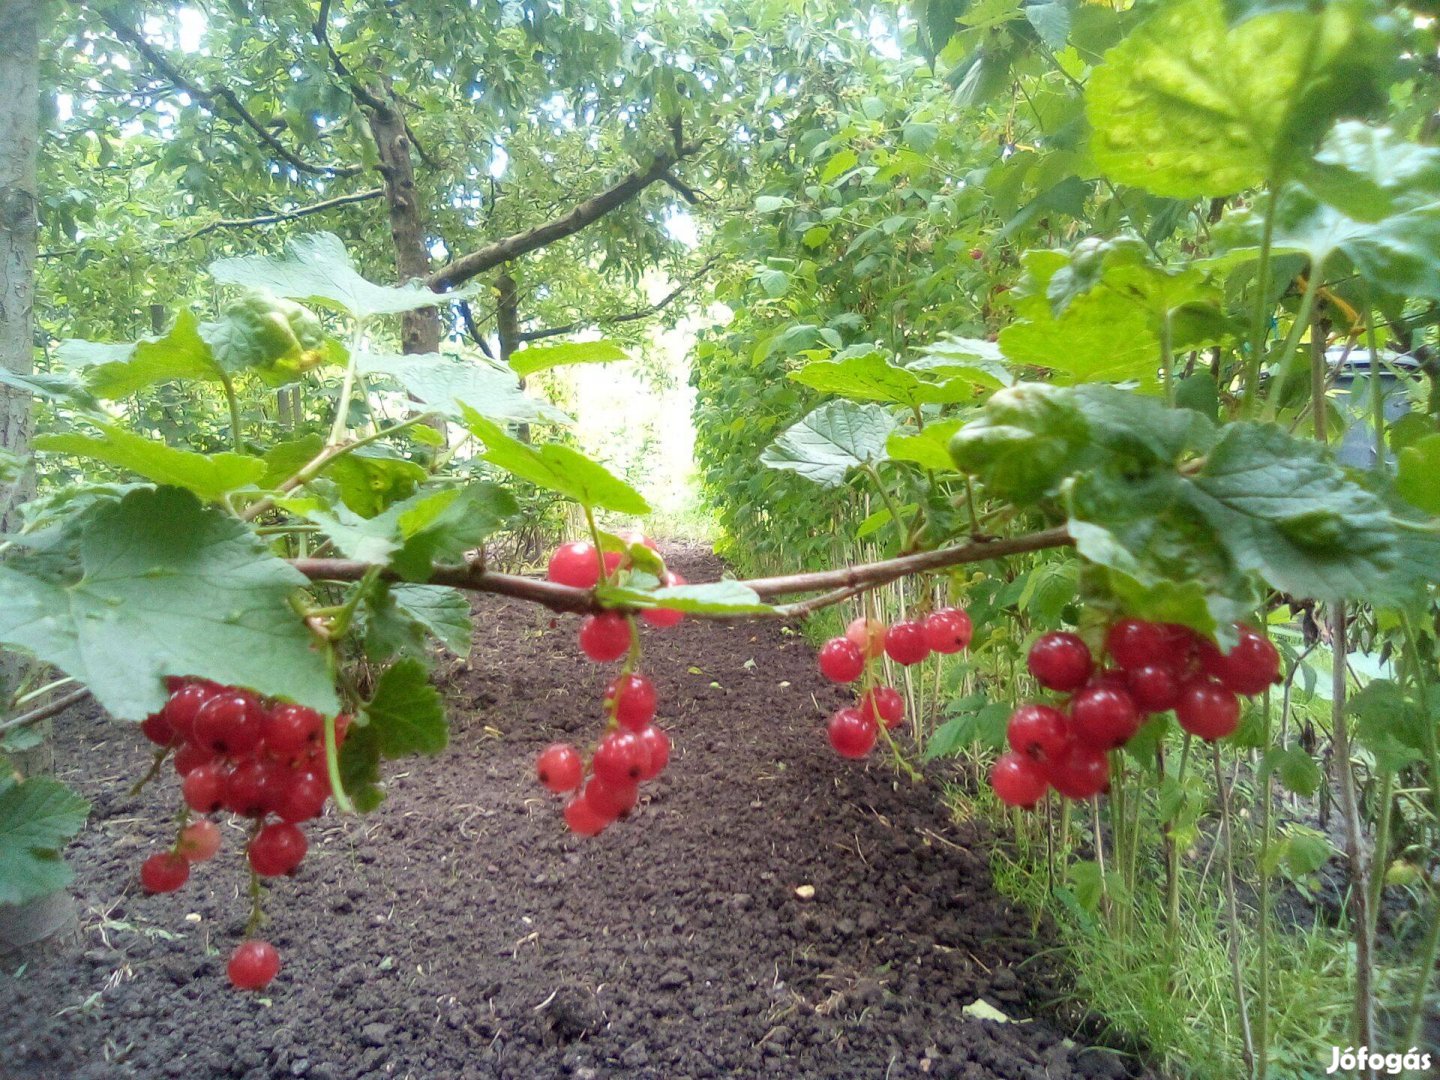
(259, 759)
(1157, 667)
(632, 750)
(853, 730)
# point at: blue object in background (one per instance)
(1357, 448)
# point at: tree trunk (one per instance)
(29, 924)
(507, 322)
(420, 330)
(19, 133)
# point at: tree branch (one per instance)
(837, 585)
(207, 99)
(577, 218)
(629, 316)
(288, 215)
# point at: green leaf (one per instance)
(832, 440)
(1027, 439)
(1295, 768)
(448, 386)
(369, 479)
(1389, 723)
(277, 339)
(838, 165)
(443, 526)
(555, 468)
(317, 269)
(870, 377)
(61, 387)
(711, 598)
(920, 137)
(774, 282)
(769, 204)
(371, 540)
(928, 448)
(117, 371)
(210, 476)
(1280, 507)
(1190, 106)
(977, 722)
(360, 767)
(1051, 21)
(37, 817)
(543, 357)
(442, 611)
(158, 585)
(1369, 173)
(976, 359)
(405, 713)
(1418, 474)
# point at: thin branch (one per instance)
(468, 317)
(837, 584)
(44, 712)
(577, 218)
(207, 99)
(629, 316)
(322, 38)
(288, 215)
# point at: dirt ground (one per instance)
(460, 932)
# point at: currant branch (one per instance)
(834, 585)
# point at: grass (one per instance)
(1170, 998)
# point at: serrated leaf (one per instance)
(405, 713)
(360, 768)
(870, 377)
(210, 476)
(371, 540)
(769, 204)
(710, 598)
(976, 359)
(368, 480)
(832, 440)
(443, 526)
(61, 387)
(1295, 769)
(543, 357)
(37, 817)
(442, 611)
(1051, 21)
(318, 270)
(160, 585)
(117, 371)
(555, 468)
(1189, 105)
(1417, 478)
(1280, 507)
(448, 385)
(920, 136)
(929, 448)
(1370, 173)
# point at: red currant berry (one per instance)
(190, 757)
(1155, 687)
(906, 643)
(1104, 717)
(250, 789)
(851, 734)
(1080, 773)
(277, 850)
(1180, 644)
(1060, 661)
(633, 699)
(621, 758)
(199, 841)
(665, 617)
(230, 724)
(841, 660)
(1018, 780)
(164, 872)
(203, 788)
(291, 728)
(608, 801)
(1038, 731)
(948, 630)
(1207, 709)
(868, 635)
(156, 727)
(575, 564)
(252, 965)
(559, 767)
(584, 819)
(658, 743)
(883, 703)
(184, 704)
(302, 796)
(605, 637)
(1250, 667)
(1133, 643)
